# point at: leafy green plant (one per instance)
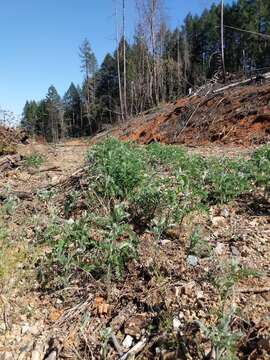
(259, 168)
(231, 274)
(226, 180)
(74, 248)
(34, 160)
(223, 338)
(131, 188)
(9, 205)
(198, 246)
(115, 168)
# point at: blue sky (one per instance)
(39, 41)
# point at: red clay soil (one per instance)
(240, 116)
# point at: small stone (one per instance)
(36, 355)
(181, 315)
(219, 221)
(235, 251)
(25, 329)
(52, 356)
(22, 356)
(70, 221)
(27, 347)
(128, 341)
(176, 324)
(8, 356)
(192, 260)
(219, 249)
(200, 295)
(34, 330)
(225, 212)
(165, 242)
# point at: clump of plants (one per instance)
(223, 337)
(259, 168)
(34, 160)
(130, 189)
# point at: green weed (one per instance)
(34, 160)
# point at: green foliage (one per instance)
(223, 338)
(34, 160)
(226, 179)
(199, 246)
(231, 274)
(131, 188)
(115, 168)
(260, 168)
(9, 205)
(75, 248)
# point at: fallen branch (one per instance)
(22, 195)
(52, 168)
(243, 82)
(254, 290)
(116, 344)
(135, 350)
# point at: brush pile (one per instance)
(240, 115)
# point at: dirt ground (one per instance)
(36, 325)
(235, 116)
(31, 323)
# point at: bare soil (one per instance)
(162, 288)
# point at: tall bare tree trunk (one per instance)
(118, 68)
(222, 40)
(125, 63)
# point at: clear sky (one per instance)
(39, 41)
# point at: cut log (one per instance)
(243, 82)
(47, 169)
(18, 194)
(9, 162)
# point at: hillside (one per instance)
(114, 250)
(235, 116)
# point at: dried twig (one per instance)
(135, 350)
(254, 290)
(116, 344)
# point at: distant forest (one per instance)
(159, 65)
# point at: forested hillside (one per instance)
(160, 64)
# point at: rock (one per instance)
(165, 242)
(128, 341)
(200, 295)
(219, 249)
(22, 356)
(181, 315)
(225, 212)
(25, 329)
(235, 251)
(52, 355)
(135, 324)
(192, 260)
(8, 356)
(176, 324)
(70, 221)
(219, 221)
(36, 355)
(34, 330)
(28, 347)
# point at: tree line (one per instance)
(160, 64)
